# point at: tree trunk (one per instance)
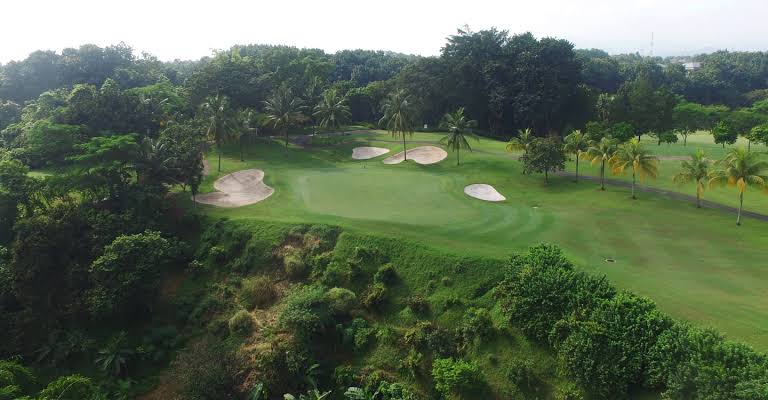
(241, 149)
(685, 140)
(546, 175)
(633, 186)
(218, 151)
(602, 175)
(458, 161)
(285, 135)
(577, 168)
(405, 151)
(698, 196)
(741, 205)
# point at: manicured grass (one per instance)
(696, 264)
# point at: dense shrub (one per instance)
(72, 387)
(375, 297)
(695, 363)
(455, 376)
(336, 274)
(476, 324)
(358, 334)
(294, 265)
(15, 380)
(257, 292)
(241, 323)
(522, 374)
(427, 336)
(208, 370)
(417, 304)
(385, 275)
(541, 288)
(341, 301)
(306, 313)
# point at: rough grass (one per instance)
(696, 264)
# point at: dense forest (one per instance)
(98, 143)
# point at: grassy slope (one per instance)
(695, 263)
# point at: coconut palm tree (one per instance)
(219, 120)
(522, 141)
(600, 152)
(399, 116)
(245, 126)
(332, 110)
(459, 129)
(635, 156)
(284, 110)
(740, 169)
(576, 143)
(695, 170)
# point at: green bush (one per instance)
(385, 275)
(257, 292)
(336, 274)
(208, 370)
(417, 304)
(522, 374)
(72, 387)
(358, 334)
(294, 265)
(375, 297)
(569, 391)
(455, 376)
(427, 336)
(241, 323)
(341, 301)
(476, 324)
(306, 313)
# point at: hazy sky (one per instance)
(190, 29)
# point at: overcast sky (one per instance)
(190, 29)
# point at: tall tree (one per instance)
(284, 110)
(459, 129)
(601, 152)
(399, 116)
(724, 133)
(696, 170)
(245, 127)
(635, 156)
(544, 155)
(740, 169)
(219, 121)
(576, 143)
(333, 110)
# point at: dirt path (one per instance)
(670, 194)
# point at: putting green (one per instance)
(696, 264)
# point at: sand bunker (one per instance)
(366, 153)
(483, 192)
(423, 155)
(238, 189)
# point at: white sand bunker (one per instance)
(366, 153)
(483, 192)
(238, 189)
(423, 155)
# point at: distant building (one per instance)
(691, 65)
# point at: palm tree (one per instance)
(220, 127)
(741, 168)
(459, 128)
(154, 164)
(114, 357)
(332, 110)
(635, 156)
(695, 170)
(398, 117)
(245, 126)
(523, 140)
(576, 143)
(284, 110)
(600, 152)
